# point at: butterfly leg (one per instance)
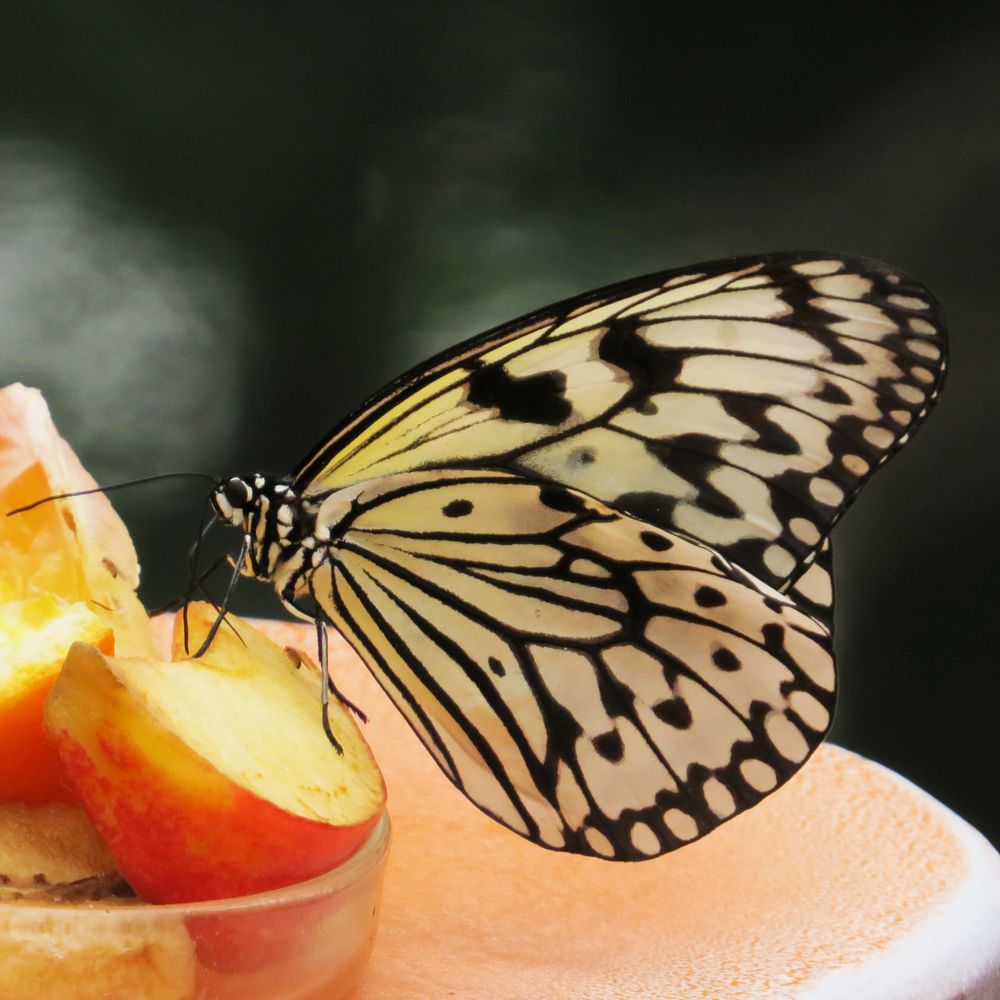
(324, 669)
(220, 608)
(328, 686)
(197, 583)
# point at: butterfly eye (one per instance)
(230, 499)
(237, 492)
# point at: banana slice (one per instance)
(48, 845)
(69, 926)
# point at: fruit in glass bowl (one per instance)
(206, 785)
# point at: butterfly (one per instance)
(587, 553)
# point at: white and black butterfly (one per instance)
(587, 553)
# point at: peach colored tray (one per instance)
(848, 882)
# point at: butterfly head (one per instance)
(267, 511)
(235, 499)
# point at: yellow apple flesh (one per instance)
(212, 777)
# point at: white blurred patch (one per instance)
(130, 335)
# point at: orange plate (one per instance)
(849, 881)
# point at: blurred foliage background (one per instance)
(223, 224)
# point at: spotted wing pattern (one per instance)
(741, 403)
(595, 683)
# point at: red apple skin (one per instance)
(178, 829)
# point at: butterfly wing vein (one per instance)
(593, 682)
(742, 403)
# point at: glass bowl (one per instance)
(303, 942)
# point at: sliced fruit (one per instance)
(52, 854)
(212, 777)
(78, 952)
(77, 548)
(49, 845)
(35, 635)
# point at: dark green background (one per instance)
(223, 224)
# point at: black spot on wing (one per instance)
(648, 505)
(609, 745)
(656, 542)
(709, 597)
(726, 659)
(751, 410)
(650, 369)
(534, 399)
(748, 554)
(496, 666)
(831, 393)
(457, 508)
(674, 712)
(840, 353)
(774, 638)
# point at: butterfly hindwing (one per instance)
(595, 683)
(741, 403)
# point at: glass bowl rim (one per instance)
(363, 863)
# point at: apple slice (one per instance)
(212, 777)
(35, 635)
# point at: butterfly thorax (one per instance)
(273, 517)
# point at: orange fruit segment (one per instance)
(35, 635)
(77, 548)
(37, 554)
(68, 573)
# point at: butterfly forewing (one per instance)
(740, 403)
(595, 683)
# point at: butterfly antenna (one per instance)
(113, 486)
